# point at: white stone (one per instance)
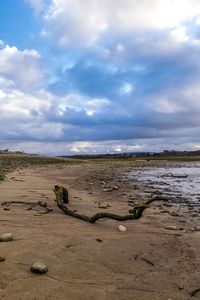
(6, 237)
(39, 267)
(171, 227)
(115, 187)
(122, 228)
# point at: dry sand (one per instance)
(147, 262)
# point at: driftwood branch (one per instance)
(135, 213)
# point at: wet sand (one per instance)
(94, 261)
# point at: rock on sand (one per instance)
(122, 228)
(6, 237)
(39, 267)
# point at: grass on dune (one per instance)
(9, 163)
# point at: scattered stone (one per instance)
(2, 258)
(178, 234)
(174, 214)
(99, 240)
(136, 187)
(163, 211)
(6, 208)
(171, 227)
(194, 215)
(167, 204)
(115, 187)
(174, 176)
(109, 189)
(39, 267)
(6, 237)
(197, 228)
(122, 228)
(103, 205)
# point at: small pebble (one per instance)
(39, 267)
(99, 240)
(194, 215)
(122, 228)
(103, 205)
(171, 227)
(115, 187)
(6, 237)
(2, 258)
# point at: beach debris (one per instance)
(122, 228)
(193, 293)
(115, 187)
(62, 193)
(2, 258)
(171, 227)
(31, 205)
(108, 189)
(174, 176)
(99, 240)
(134, 214)
(103, 205)
(6, 208)
(148, 261)
(39, 268)
(6, 237)
(194, 215)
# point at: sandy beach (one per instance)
(93, 261)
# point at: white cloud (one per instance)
(1, 43)
(86, 22)
(166, 106)
(126, 88)
(20, 68)
(18, 105)
(179, 34)
(78, 103)
(38, 5)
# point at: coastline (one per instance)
(145, 262)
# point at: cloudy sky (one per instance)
(93, 76)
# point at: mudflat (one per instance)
(157, 258)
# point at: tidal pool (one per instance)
(153, 180)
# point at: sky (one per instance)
(99, 76)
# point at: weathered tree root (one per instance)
(135, 213)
